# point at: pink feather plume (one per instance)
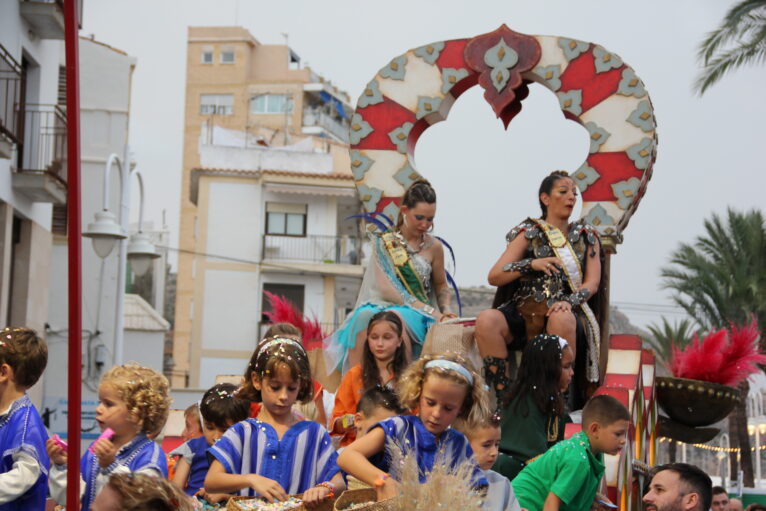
(725, 357)
(284, 311)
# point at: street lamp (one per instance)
(105, 232)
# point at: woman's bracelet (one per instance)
(578, 297)
(524, 266)
(428, 309)
(329, 486)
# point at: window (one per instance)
(207, 55)
(294, 293)
(221, 104)
(286, 219)
(227, 55)
(271, 104)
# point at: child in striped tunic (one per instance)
(276, 454)
(443, 389)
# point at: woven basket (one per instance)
(351, 497)
(325, 505)
(456, 337)
(352, 483)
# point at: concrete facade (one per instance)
(240, 159)
(105, 77)
(31, 62)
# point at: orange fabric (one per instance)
(346, 398)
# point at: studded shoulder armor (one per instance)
(582, 229)
(528, 227)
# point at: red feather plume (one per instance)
(725, 357)
(743, 353)
(284, 311)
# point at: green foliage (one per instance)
(721, 277)
(738, 41)
(666, 335)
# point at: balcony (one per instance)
(45, 17)
(11, 87)
(41, 175)
(312, 249)
(316, 120)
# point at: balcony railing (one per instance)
(44, 148)
(312, 249)
(11, 89)
(319, 118)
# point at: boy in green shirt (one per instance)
(567, 476)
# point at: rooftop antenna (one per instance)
(287, 38)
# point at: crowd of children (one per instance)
(256, 439)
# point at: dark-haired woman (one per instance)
(405, 274)
(548, 272)
(534, 414)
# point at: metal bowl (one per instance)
(695, 403)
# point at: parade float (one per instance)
(596, 89)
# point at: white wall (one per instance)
(105, 98)
(16, 37)
(144, 347)
(231, 310)
(235, 221)
(257, 158)
(211, 367)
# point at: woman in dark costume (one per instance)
(548, 272)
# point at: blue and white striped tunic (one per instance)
(409, 433)
(302, 459)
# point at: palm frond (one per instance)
(727, 61)
(721, 277)
(739, 40)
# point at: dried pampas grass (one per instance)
(445, 487)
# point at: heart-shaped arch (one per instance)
(594, 86)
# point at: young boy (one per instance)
(485, 442)
(25, 461)
(192, 423)
(567, 476)
(219, 409)
(375, 405)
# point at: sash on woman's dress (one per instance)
(575, 276)
(405, 271)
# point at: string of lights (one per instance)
(714, 448)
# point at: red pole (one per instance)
(74, 243)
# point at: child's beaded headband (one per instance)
(544, 338)
(277, 341)
(280, 340)
(449, 365)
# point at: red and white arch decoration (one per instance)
(594, 87)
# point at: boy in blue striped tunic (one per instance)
(276, 455)
(443, 390)
(219, 409)
(24, 461)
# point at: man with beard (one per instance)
(678, 487)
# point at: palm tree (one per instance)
(739, 40)
(721, 279)
(666, 335)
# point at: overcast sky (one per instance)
(710, 153)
